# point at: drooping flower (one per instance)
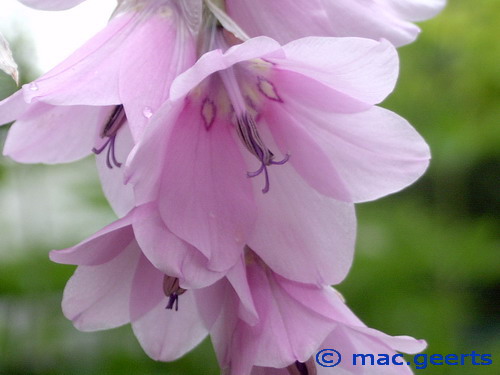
(294, 322)
(115, 284)
(101, 98)
(286, 20)
(265, 118)
(259, 321)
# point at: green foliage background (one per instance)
(427, 261)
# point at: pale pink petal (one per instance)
(417, 10)
(369, 19)
(169, 253)
(205, 196)
(54, 134)
(12, 107)
(375, 152)
(323, 300)
(360, 68)
(212, 300)
(349, 342)
(286, 331)
(100, 248)
(404, 344)
(97, 297)
(308, 159)
(301, 234)
(145, 162)
(90, 76)
(120, 195)
(51, 4)
(296, 88)
(147, 289)
(215, 60)
(283, 20)
(237, 276)
(166, 335)
(166, 47)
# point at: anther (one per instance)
(114, 123)
(249, 135)
(172, 290)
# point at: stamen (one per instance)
(249, 135)
(110, 130)
(172, 290)
(173, 299)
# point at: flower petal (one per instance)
(417, 10)
(375, 152)
(54, 134)
(315, 243)
(363, 69)
(100, 248)
(166, 335)
(97, 297)
(282, 20)
(145, 162)
(286, 331)
(12, 107)
(369, 19)
(90, 76)
(169, 253)
(143, 88)
(147, 289)
(205, 197)
(215, 60)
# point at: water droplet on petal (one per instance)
(147, 112)
(33, 86)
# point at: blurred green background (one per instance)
(427, 261)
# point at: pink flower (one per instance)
(286, 20)
(293, 117)
(102, 96)
(294, 322)
(256, 318)
(115, 284)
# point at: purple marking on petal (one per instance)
(208, 112)
(268, 89)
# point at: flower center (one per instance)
(172, 290)
(114, 123)
(246, 126)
